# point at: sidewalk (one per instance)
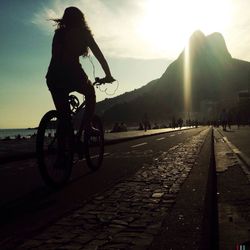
(162, 206)
(13, 150)
(238, 140)
(233, 190)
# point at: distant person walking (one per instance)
(180, 122)
(238, 119)
(173, 124)
(224, 119)
(72, 39)
(146, 122)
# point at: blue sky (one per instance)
(139, 39)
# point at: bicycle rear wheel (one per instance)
(94, 145)
(53, 173)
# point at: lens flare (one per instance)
(187, 81)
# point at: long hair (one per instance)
(73, 17)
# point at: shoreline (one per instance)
(17, 134)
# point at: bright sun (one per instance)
(166, 25)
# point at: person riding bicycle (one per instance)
(72, 39)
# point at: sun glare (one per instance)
(166, 25)
(187, 81)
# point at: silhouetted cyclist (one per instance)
(72, 39)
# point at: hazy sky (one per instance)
(139, 38)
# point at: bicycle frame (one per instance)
(76, 108)
(77, 122)
(54, 171)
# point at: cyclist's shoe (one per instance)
(79, 148)
(91, 131)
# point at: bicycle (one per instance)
(90, 145)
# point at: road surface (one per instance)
(27, 205)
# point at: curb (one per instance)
(245, 159)
(210, 224)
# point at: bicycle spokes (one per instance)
(94, 145)
(54, 162)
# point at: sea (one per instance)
(13, 133)
(29, 132)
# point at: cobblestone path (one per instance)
(130, 214)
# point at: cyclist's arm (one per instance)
(100, 57)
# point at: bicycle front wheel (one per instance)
(54, 171)
(94, 145)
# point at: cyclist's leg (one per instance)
(64, 129)
(81, 84)
(87, 89)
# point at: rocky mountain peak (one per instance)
(215, 77)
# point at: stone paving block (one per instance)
(32, 244)
(70, 246)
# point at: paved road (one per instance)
(27, 205)
(13, 150)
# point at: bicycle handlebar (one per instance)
(99, 81)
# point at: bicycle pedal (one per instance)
(93, 132)
(79, 148)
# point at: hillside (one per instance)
(124, 98)
(215, 76)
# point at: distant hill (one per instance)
(215, 77)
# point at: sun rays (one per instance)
(187, 81)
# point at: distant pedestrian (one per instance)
(173, 122)
(238, 120)
(123, 127)
(180, 123)
(140, 126)
(115, 128)
(224, 119)
(145, 122)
